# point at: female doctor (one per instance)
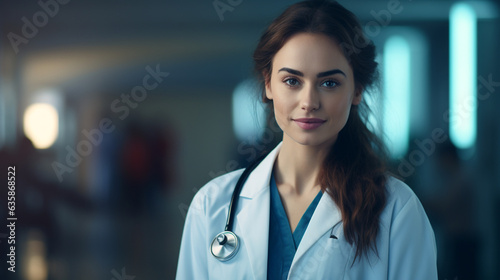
(321, 205)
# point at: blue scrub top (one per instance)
(282, 242)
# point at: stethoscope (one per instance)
(225, 245)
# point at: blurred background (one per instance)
(114, 113)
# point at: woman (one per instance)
(321, 205)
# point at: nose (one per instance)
(309, 99)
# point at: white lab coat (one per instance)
(406, 244)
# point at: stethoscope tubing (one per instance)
(225, 245)
(237, 190)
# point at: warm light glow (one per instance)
(41, 125)
(397, 90)
(34, 263)
(463, 73)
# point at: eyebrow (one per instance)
(319, 75)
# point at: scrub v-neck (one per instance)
(282, 242)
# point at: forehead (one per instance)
(311, 54)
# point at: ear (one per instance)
(269, 94)
(358, 96)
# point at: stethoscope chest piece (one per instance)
(224, 246)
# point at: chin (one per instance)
(309, 140)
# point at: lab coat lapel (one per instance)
(324, 218)
(252, 219)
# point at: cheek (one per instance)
(280, 104)
(339, 109)
(283, 109)
(279, 109)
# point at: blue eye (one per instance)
(292, 82)
(330, 84)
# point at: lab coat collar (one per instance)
(325, 217)
(253, 219)
(252, 222)
(259, 178)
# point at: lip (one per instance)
(309, 123)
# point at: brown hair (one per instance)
(354, 171)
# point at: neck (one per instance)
(297, 166)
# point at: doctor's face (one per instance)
(312, 88)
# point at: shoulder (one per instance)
(407, 238)
(400, 198)
(397, 191)
(216, 193)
